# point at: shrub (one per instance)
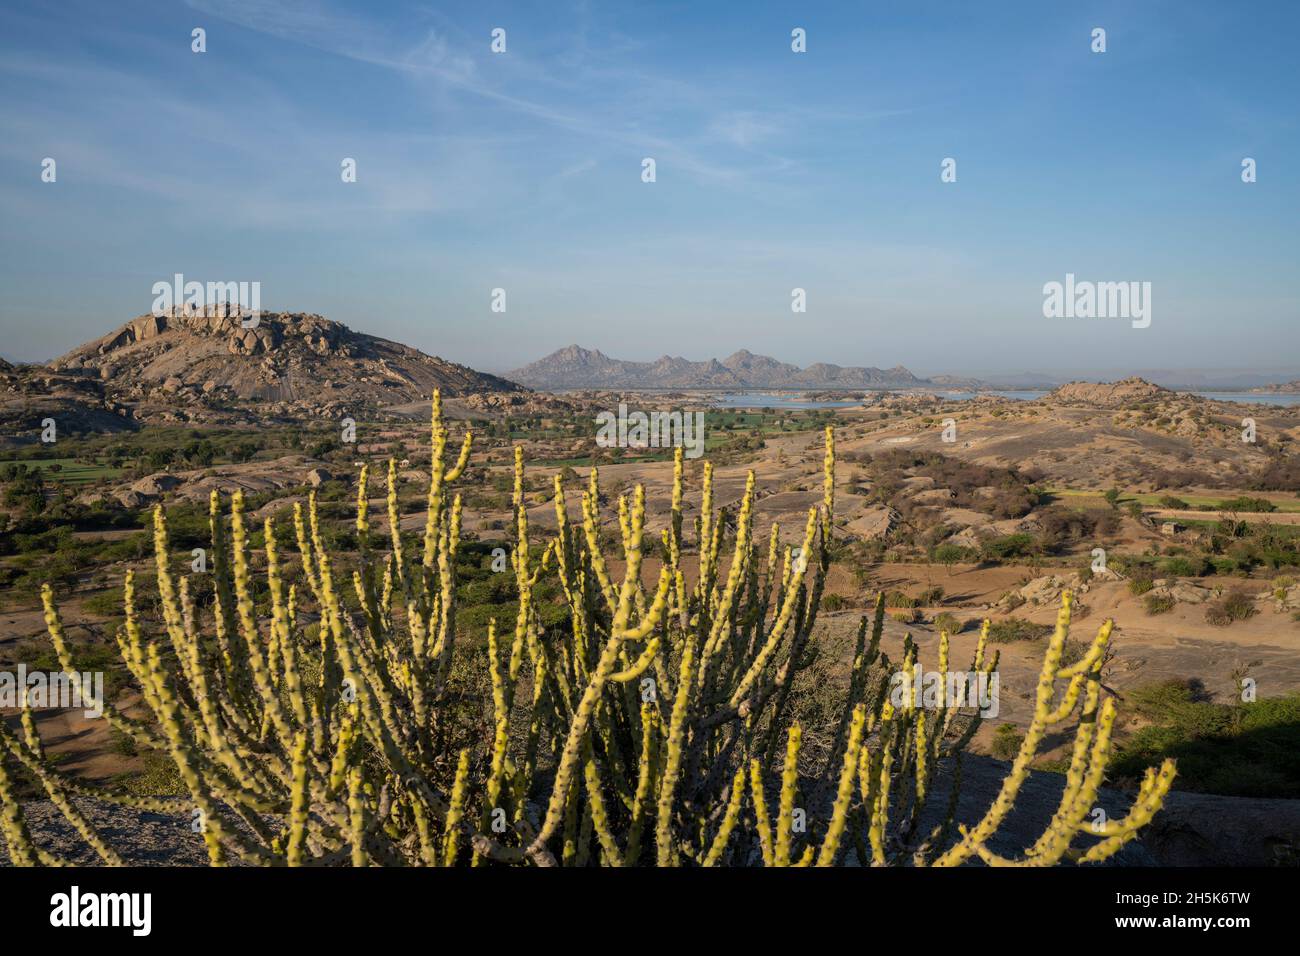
(1238, 749)
(1007, 740)
(950, 554)
(1141, 582)
(930, 596)
(1159, 603)
(1017, 629)
(1244, 503)
(949, 623)
(1224, 565)
(1009, 546)
(1233, 606)
(1185, 567)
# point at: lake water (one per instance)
(774, 400)
(1020, 396)
(793, 399)
(1255, 398)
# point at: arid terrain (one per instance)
(1145, 503)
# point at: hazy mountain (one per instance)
(576, 367)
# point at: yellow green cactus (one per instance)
(645, 730)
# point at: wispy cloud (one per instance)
(616, 105)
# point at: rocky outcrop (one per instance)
(1121, 394)
(1045, 590)
(218, 364)
(77, 401)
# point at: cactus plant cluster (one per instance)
(644, 730)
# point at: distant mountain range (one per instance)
(576, 367)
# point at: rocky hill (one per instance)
(1122, 394)
(576, 367)
(287, 357)
(204, 366)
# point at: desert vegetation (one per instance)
(635, 710)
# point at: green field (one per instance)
(70, 470)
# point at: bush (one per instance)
(1159, 603)
(930, 597)
(950, 554)
(1008, 546)
(1141, 583)
(949, 623)
(1238, 749)
(1243, 503)
(1006, 742)
(1185, 567)
(1017, 629)
(1224, 565)
(1234, 606)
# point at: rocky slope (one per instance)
(77, 401)
(287, 357)
(576, 367)
(206, 366)
(1121, 394)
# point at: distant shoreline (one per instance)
(1240, 396)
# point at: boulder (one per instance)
(153, 486)
(1044, 590)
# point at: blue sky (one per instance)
(775, 170)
